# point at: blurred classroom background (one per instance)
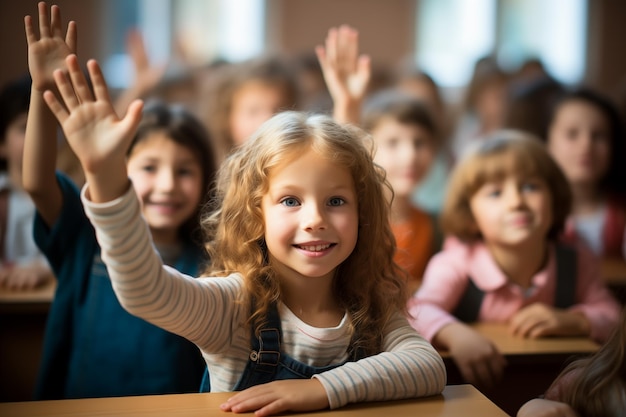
(578, 41)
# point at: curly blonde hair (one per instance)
(368, 283)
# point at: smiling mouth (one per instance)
(315, 248)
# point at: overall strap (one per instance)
(264, 356)
(469, 305)
(266, 347)
(565, 293)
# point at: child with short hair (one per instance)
(406, 140)
(505, 209)
(302, 284)
(241, 96)
(92, 346)
(22, 265)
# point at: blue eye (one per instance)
(336, 201)
(530, 186)
(289, 202)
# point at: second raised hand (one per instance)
(98, 137)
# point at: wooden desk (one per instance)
(36, 300)
(23, 316)
(457, 400)
(532, 364)
(614, 275)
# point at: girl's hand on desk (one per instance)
(278, 396)
(478, 359)
(537, 320)
(539, 407)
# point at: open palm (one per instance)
(47, 52)
(98, 137)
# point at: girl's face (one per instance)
(167, 177)
(310, 213)
(579, 141)
(13, 147)
(513, 211)
(253, 103)
(405, 152)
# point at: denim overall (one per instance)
(469, 306)
(267, 363)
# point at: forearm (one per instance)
(347, 111)
(39, 159)
(410, 367)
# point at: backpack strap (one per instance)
(566, 274)
(469, 305)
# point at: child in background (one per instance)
(347, 74)
(585, 138)
(590, 386)
(22, 265)
(484, 107)
(405, 136)
(506, 206)
(92, 346)
(430, 194)
(244, 95)
(300, 241)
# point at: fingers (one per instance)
(31, 37)
(79, 83)
(348, 47)
(100, 89)
(55, 106)
(55, 21)
(71, 37)
(65, 87)
(44, 20)
(133, 115)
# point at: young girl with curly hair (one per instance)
(302, 284)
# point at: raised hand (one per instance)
(98, 137)
(279, 396)
(47, 52)
(346, 73)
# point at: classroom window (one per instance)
(452, 34)
(203, 30)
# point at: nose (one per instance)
(515, 197)
(166, 180)
(313, 217)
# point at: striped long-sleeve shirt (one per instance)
(204, 311)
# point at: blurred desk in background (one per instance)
(532, 364)
(23, 316)
(614, 275)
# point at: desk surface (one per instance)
(614, 271)
(510, 345)
(456, 400)
(43, 293)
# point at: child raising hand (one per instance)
(505, 209)
(301, 242)
(89, 349)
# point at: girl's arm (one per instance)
(346, 73)
(409, 367)
(46, 53)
